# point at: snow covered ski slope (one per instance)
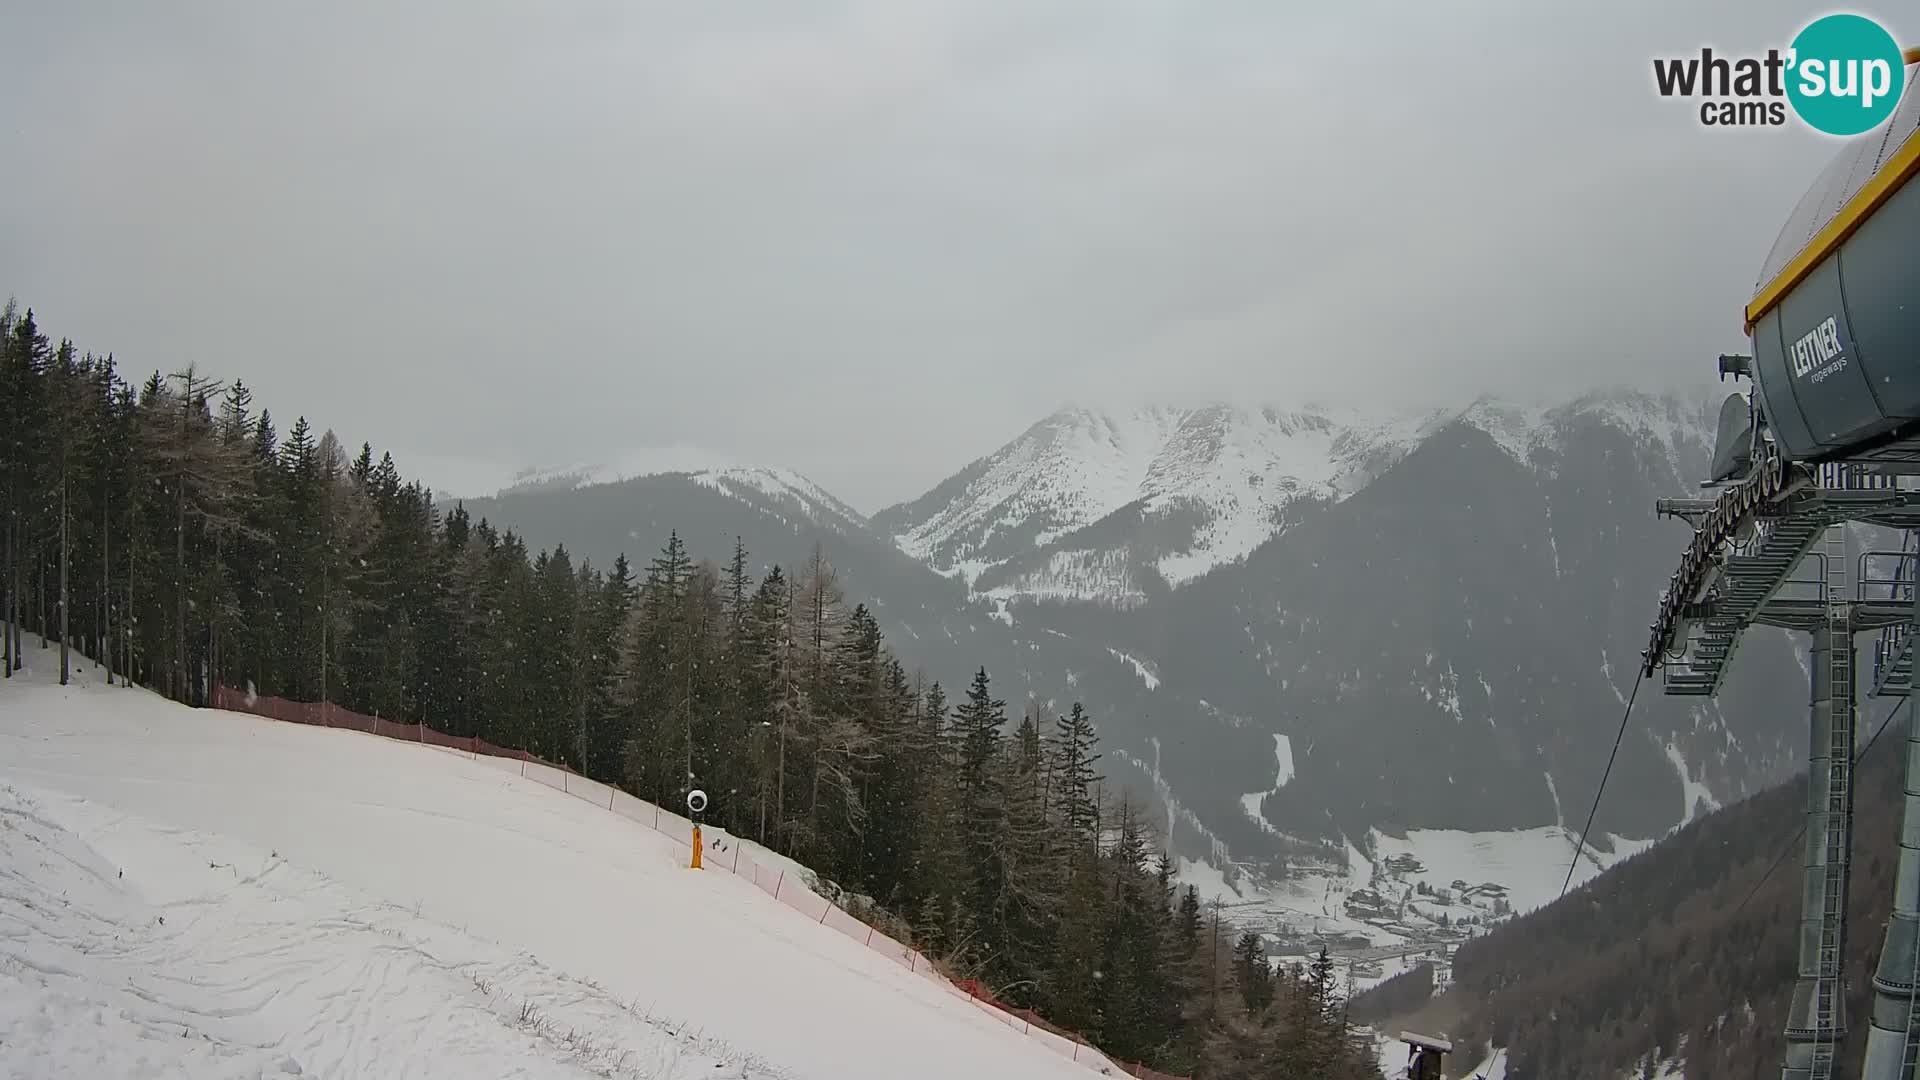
(198, 893)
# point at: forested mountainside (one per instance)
(168, 532)
(931, 623)
(1451, 646)
(1687, 949)
(1440, 613)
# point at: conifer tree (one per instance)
(69, 435)
(1074, 774)
(1252, 973)
(22, 388)
(173, 534)
(980, 806)
(1032, 862)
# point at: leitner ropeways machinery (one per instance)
(1829, 435)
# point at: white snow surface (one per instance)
(1312, 901)
(1699, 797)
(1146, 673)
(1283, 761)
(1530, 863)
(340, 904)
(210, 958)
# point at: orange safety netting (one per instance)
(770, 879)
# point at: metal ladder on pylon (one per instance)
(1827, 988)
(1910, 1050)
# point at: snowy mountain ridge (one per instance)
(1226, 471)
(1102, 506)
(645, 462)
(1114, 507)
(786, 488)
(1206, 579)
(783, 491)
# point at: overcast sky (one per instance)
(874, 240)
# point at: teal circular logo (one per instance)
(1845, 75)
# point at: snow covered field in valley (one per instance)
(198, 893)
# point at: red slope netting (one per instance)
(770, 879)
(977, 990)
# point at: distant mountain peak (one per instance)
(781, 491)
(654, 461)
(1360, 580)
(1200, 487)
(1215, 477)
(780, 484)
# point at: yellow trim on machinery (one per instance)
(1886, 183)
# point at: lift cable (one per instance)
(1802, 830)
(1591, 811)
(1885, 721)
(1617, 736)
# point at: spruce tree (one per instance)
(1252, 973)
(978, 724)
(1033, 862)
(69, 435)
(322, 577)
(1187, 923)
(1074, 773)
(22, 390)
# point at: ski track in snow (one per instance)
(1146, 674)
(341, 904)
(213, 960)
(1283, 772)
(1694, 791)
(1283, 761)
